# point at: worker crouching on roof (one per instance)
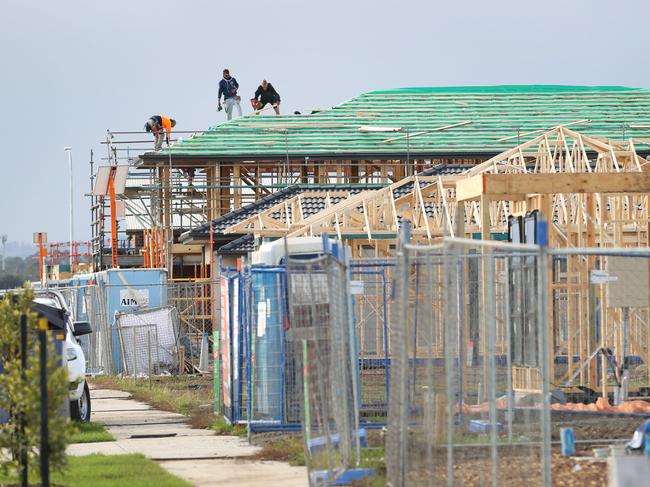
(228, 87)
(266, 95)
(160, 126)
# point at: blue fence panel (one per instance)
(265, 371)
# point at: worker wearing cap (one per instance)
(266, 95)
(228, 87)
(160, 126)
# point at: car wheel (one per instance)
(80, 410)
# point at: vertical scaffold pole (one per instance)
(544, 349)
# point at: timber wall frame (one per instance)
(432, 206)
(224, 187)
(593, 192)
(231, 184)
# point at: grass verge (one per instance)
(90, 433)
(288, 449)
(187, 395)
(373, 458)
(110, 471)
(222, 427)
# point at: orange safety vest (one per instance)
(167, 125)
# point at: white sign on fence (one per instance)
(599, 276)
(134, 297)
(261, 318)
(356, 287)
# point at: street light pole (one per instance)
(68, 150)
(4, 250)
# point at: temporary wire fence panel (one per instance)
(148, 340)
(600, 303)
(99, 301)
(192, 300)
(322, 338)
(140, 351)
(74, 295)
(230, 346)
(370, 288)
(241, 316)
(259, 371)
(272, 378)
(454, 417)
(88, 303)
(258, 354)
(100, 344)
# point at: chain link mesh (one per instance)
(193, 302)
(370, 288)
(148, 340)
(601, 311)
(319, 328)
(454, 417)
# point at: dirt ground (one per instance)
(514, 471)
(518, 465)
(569, 472)
(595, 427)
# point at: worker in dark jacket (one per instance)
(158, 125)
(228, 87)
(266, 95)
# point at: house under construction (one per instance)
(379, 137)
(469, 162)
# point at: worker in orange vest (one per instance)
(160, 125)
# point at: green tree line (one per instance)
(18, 270)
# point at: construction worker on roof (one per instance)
(266, 95)
(228, 87)
(159, 125)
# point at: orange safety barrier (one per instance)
(602, 406)
(501, 403)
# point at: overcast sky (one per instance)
(69, 70)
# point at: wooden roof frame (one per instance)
(548, 164)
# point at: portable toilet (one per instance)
(276, 388)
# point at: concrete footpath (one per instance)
(199, 456)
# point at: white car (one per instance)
(74, 356)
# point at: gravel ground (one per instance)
(571, 472)
(596, 427)
(518, 470)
